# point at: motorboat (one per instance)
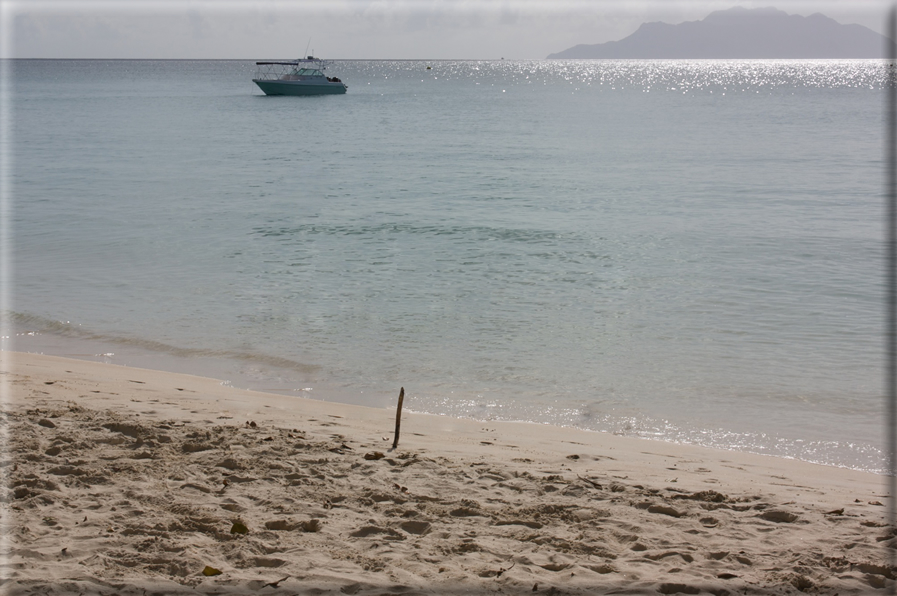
(304, 76)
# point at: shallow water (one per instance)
(683, 250)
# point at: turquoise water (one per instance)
(682, 250)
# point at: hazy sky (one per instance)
(369, 29)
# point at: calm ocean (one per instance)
(681, 250)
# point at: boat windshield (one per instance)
(307, 72)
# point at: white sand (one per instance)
(128, 481)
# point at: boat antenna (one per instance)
(306, 47)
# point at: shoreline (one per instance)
(268, 378)
(138, 476)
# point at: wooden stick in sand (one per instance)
(395, 442)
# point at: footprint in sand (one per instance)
(779, 517)
(419, 528)
(386, 533)
(678, 589)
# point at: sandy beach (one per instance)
(122, 481)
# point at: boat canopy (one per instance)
(310, 60)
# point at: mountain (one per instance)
(742, 33)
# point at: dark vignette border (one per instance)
(890, 155)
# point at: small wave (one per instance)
(473, 234)
(39, 324)
(594, 417)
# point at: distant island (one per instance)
(742, 33)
